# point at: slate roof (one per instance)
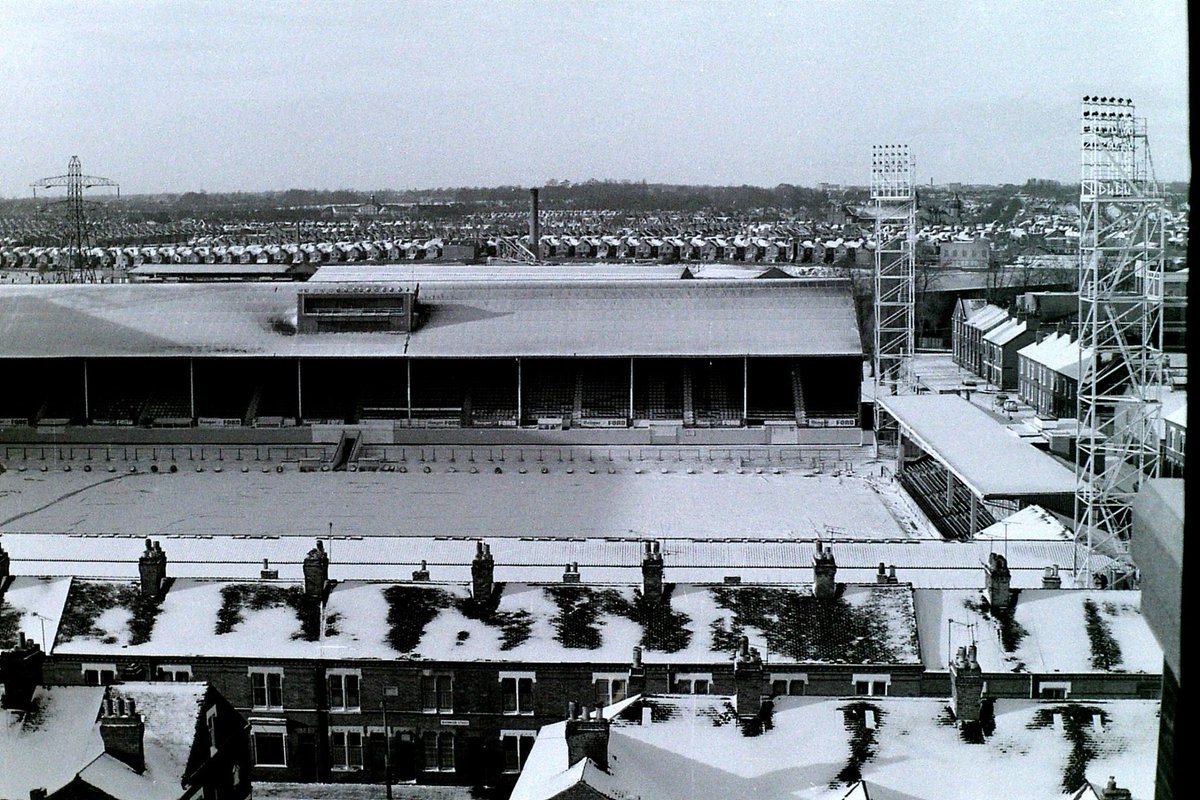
(533, 623)
(821, 749)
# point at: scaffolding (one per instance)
(894, 205)
(79, 233)
(1121, 258)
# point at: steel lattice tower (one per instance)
(79, 233)
(1121, 255)
(894, 205)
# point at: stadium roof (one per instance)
(450, 273)
(210, 270)
(465, 320)
(981, 452)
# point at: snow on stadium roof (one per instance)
(450, 273)
(210, 269)
(980, 451)
(465, 320)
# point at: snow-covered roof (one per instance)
(1006, 332)
(575, 499)
(1178, 416)
(820, 749)
(979, 450)
(987, 317)
(1069, 631)
(871, 623)
(31, 606)
(511, 319)
(170, 711)
(1031, 523)
(423, 273)
(47, 746)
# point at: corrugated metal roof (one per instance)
(569, 318)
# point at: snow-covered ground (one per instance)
(565, 501)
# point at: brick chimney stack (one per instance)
(747, 680)
(421, 574)
(1050, 578)
(483, 570)
(966, 685)
(571, 573)
(998, 581)
(587, 737)
(316, 571)
(824, 572)
(652, 573)
(123, 731)
(152, 568)
(1114, 792)
(637, 674)
(21, 673)
(5, 564)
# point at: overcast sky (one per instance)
(197, 96)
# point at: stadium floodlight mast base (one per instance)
(1121, 260)
(894, 205)
(79, 234)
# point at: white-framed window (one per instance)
(789, 684)
(268, 743)
(437, 693)
(692, 683)
(346, 749)
(611, 687)
(344, 693)
(210, 723)
(266, 687)
(516, 746)
(439, 751)
(98, 674)
(516, 692)
(870, 685)
(175, 672)
(1054, 690)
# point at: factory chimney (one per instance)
(535, 225)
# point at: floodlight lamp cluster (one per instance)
(1121, 102)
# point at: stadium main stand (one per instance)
(487, 354)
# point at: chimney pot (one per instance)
(587, 737)
(652, 574)
(316, 571)
(483, 569)
(824, 572)
(124, 734)
(998, 581)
